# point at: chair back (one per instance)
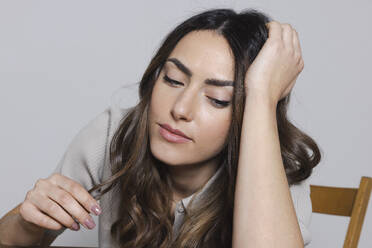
(351, 202)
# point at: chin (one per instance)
(171, 157)
(163, 155)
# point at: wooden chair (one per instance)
(350, 202)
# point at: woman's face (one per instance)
(188, 105)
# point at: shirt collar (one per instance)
(185, 201)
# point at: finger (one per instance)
(69, 204)
(287, 35)
(52, 209)
(78, 192)
(27, 209)
(296, 43)
(275, 30)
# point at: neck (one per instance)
(187, 179)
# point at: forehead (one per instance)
(206, 54)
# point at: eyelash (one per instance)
(218, 103)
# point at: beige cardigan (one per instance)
(86, 161)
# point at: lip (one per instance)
(173, 135)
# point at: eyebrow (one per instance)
(209, 81)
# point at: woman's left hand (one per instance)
(275, 69)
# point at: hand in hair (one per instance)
(274, 71)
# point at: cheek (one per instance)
(160, 97)
(155, 102)
(213, 136)
(158, 108)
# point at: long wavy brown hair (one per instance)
(145, 218)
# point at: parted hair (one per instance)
(142, 182)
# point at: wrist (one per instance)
(14, 230)
(28, 226)
(261, 98)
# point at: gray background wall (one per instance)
(61, 61)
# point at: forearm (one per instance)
(264, 215)
(16, 231)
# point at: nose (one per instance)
(183, 107)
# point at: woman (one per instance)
(207, 158)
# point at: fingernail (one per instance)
(75, 226)
(89, 223)
(96, 209)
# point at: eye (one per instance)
(171, 81)
(218, 103)
(215, 102)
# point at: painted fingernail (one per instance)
(89, 223)
(96, 209)
(75, 226)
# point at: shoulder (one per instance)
(86, 153)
